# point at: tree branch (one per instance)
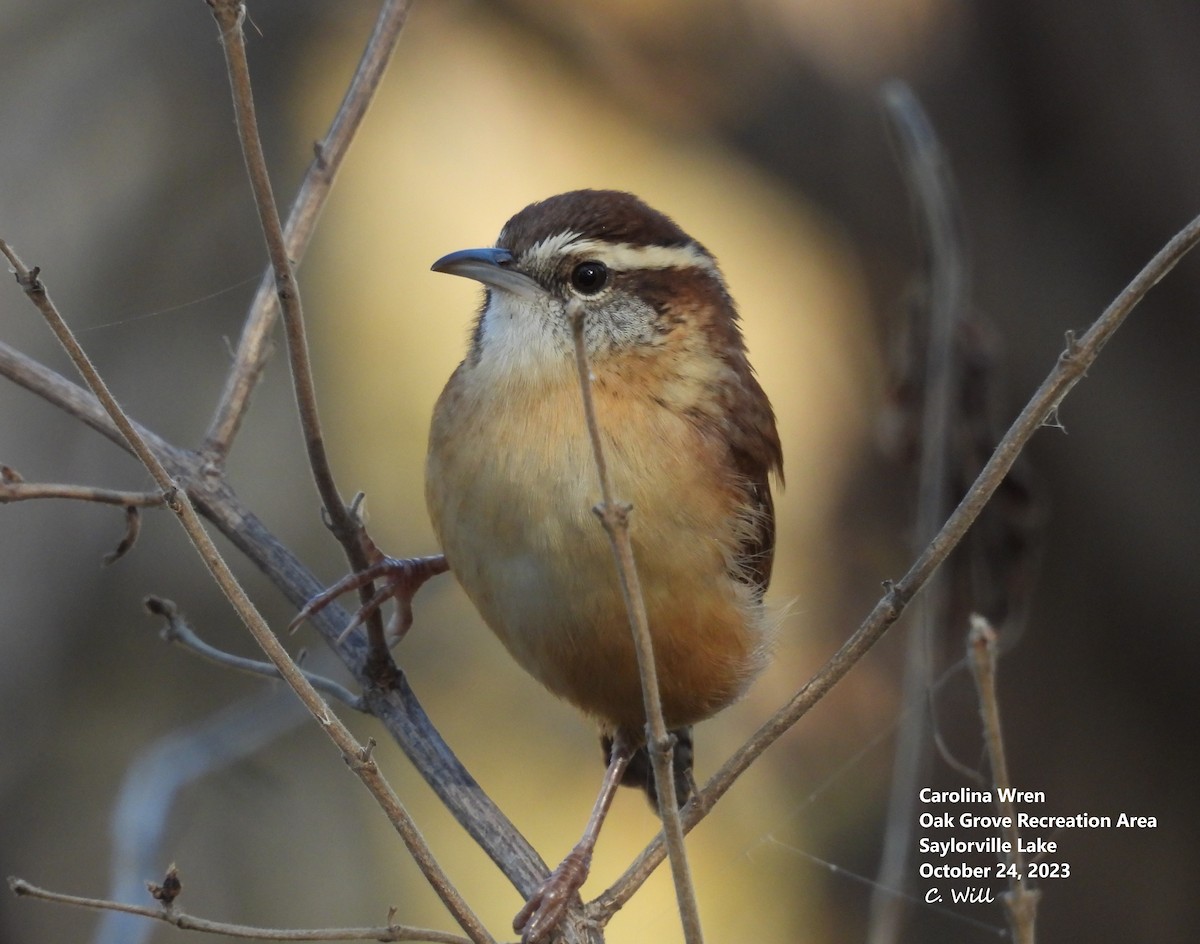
(254, 348)
(385, 688)
(178, 501)
(345, 525)
(187, 922)
(14, 489)
(179, 633)
(1072, 365)
(396, 707)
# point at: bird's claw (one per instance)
(547, 905)
(401, 578)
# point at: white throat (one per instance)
(523, 336)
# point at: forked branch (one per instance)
(178, 632)
(343, 522)
(178, 501)
(254, 347)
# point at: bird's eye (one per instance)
(589, 277)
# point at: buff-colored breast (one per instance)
(510, 486)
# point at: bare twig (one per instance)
(933, 194)
(32, 285)
(69, 397)
(254, 347)
(1021, 900)
(16, 489)
(346, 526)
(1071, 367)
(187, 922)
(178, 501)
(13, 489)
(615, 517)
(396, 706)
(178, 632)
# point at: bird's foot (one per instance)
(547, 905)
(400, 579)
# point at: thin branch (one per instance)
(15, 490)
(187, 922)
(396, 706)
(1021, 900)
(346, 526)
(68, 396)
(254, 348)
(179, 633)
(615, 517)
(35, 290)
(178, 501)
(932, 190)
(230, 15)
(1041, 409)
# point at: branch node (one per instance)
(614, 515)
(357, 507)
(1072, 346)
(228, 13)
(661, 745)
(169, 890)
(29, 281)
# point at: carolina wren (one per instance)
(690, 442)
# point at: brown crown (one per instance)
(607, 214)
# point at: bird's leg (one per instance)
(401, 579)
(548, 903)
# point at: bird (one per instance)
(690, 443)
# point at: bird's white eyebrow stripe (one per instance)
(622, 256)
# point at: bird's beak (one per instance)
(492, 267)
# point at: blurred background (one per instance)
(757, 125)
